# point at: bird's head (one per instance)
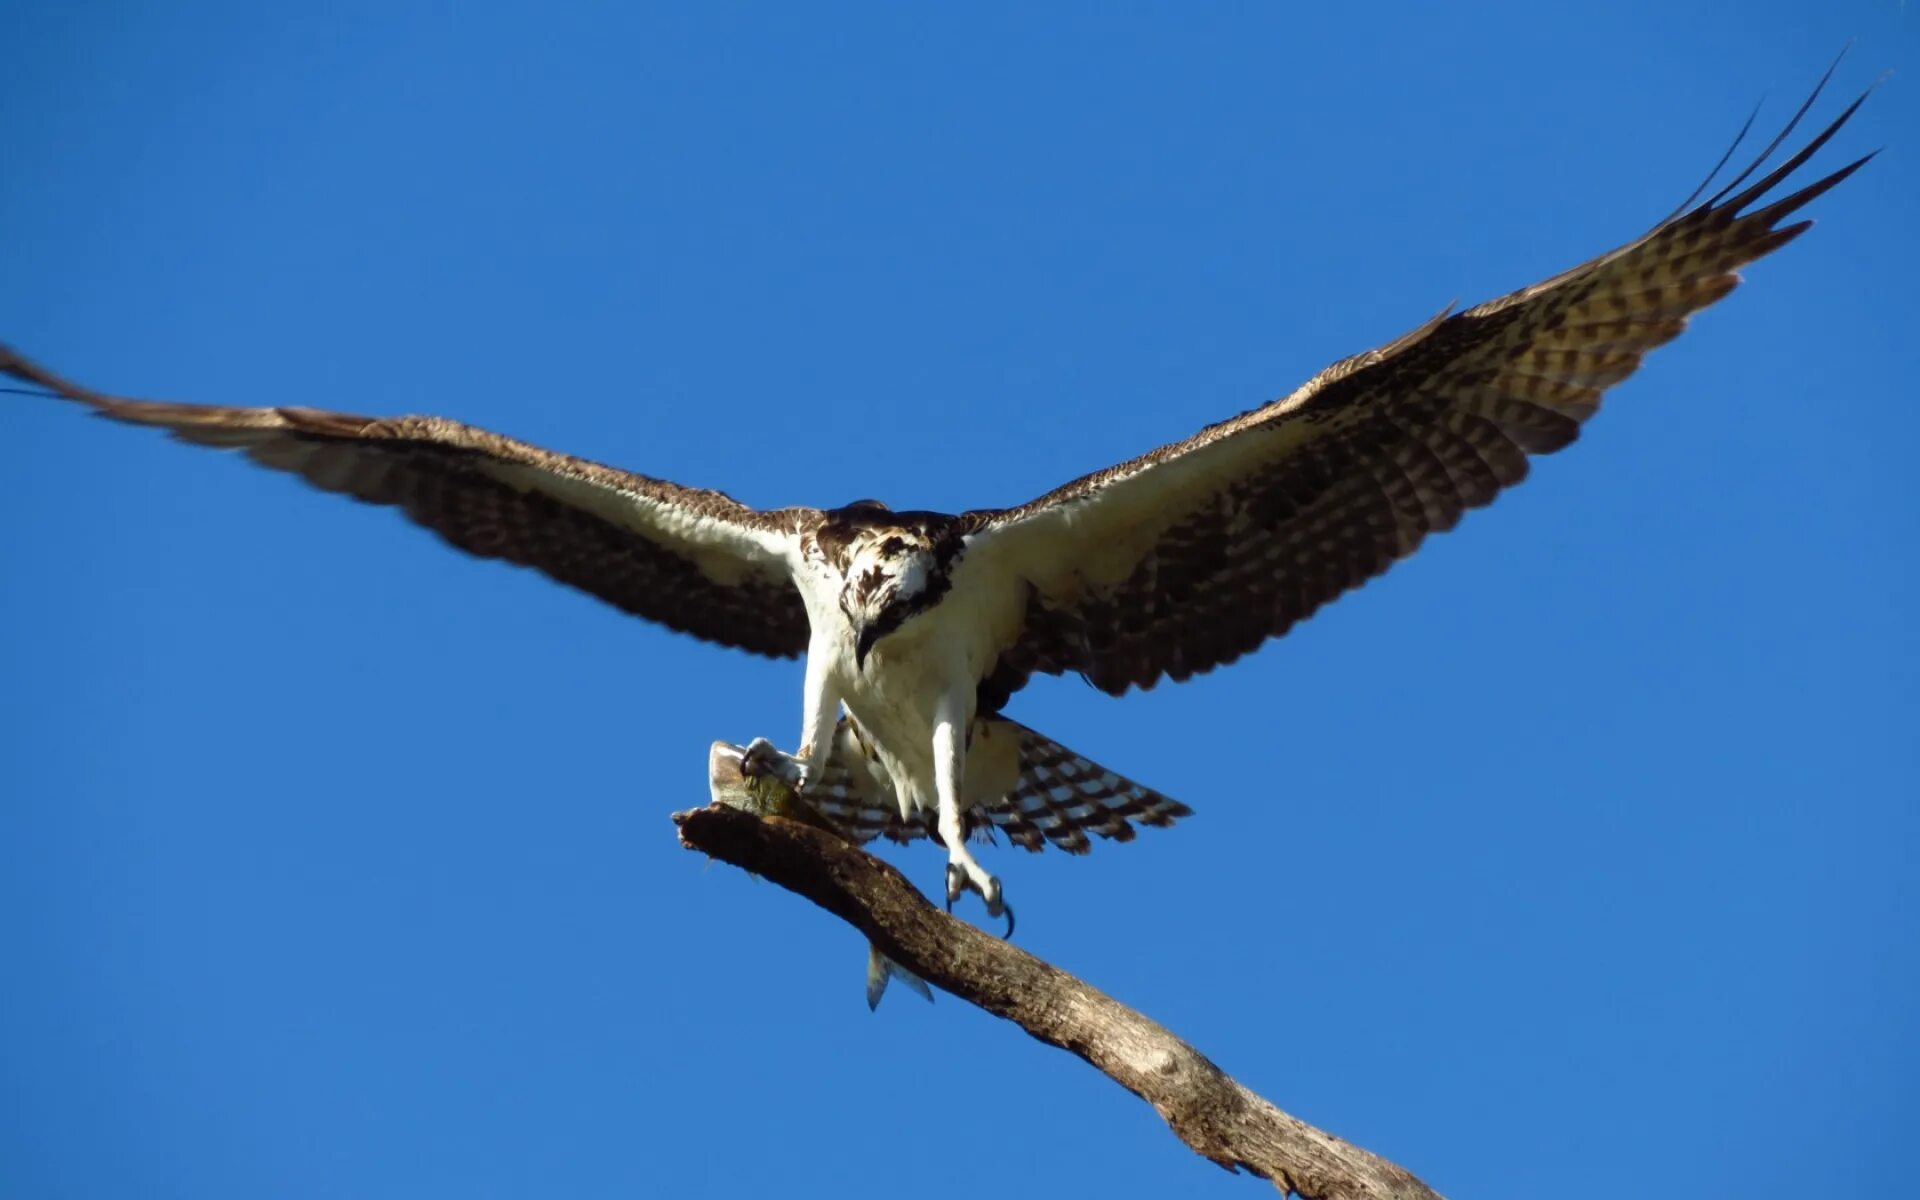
(891, 574)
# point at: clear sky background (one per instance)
(1580, 848)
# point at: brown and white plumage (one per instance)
(923, 624)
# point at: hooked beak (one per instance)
(869, 634)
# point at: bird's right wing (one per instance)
(694, 560)
(1194, 554)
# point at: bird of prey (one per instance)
(923, 624)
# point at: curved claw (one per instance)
(959, 881)
(956, 883)
(757, 759)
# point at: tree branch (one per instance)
(1217, 1117)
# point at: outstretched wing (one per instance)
(1195, 554)
(696, 561)
(1056, 795)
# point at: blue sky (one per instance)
(333, 863)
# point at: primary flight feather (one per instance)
(923, 624)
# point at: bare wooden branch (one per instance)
(1217, 1117)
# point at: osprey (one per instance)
(923, 624)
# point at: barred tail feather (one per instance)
(1062, 796)
(1057, 797)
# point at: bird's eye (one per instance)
(893, 546)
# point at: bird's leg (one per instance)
(820, 713)
(949, 770)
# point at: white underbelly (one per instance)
(897, 699)
(933, 661)
(896, 709)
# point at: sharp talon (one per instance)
(956, 883)
(755, 760)
(1008, 935)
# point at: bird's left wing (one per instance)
(1192, 555)
(694, 560)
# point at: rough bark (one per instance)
(1215, 1116)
